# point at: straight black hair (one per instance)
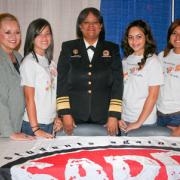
(34, 29)
(83, 15)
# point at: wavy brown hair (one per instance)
(150, 46)
(171, 29)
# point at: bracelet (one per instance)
(34, 126)
(36, 130)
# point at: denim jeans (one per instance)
(168, 120)
(26, 128)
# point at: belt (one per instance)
(162, 114)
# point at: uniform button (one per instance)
(90, 65)
(89, 82)
(89, 91)
(89, 73)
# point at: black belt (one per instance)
(162, 114)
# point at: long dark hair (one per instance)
(150, 46)
(83, 15)
(34, 29)
(171, 29)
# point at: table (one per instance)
(107, 158)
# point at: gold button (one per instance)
(89, 91)
(90, 65)
(89, 73)
(89, 82)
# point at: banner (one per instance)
(105, 158)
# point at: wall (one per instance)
(62, 15)
(157, 13)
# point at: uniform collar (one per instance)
(87, 44)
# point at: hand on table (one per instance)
(122, 125)
(112, 126)
(68, 124)
(128, 127)
(42, 133)
(132, 126)
(58, 125)
(175, 131)
(21, 137)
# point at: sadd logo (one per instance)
(106, 163)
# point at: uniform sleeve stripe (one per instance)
(63, 105)
(115, 108)
(62, 102)
(111, 104)
(116, 100)
(60, 99)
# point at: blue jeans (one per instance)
(168, 120)
(26, 128)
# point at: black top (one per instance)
(16, 65)
(89, 90)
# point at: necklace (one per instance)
(12, 57)
(14, 61)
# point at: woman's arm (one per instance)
(30, 105)
(6, 125)
(18, 136)
(116, 93)
(29, 93)
(175, 131)
(63, 102)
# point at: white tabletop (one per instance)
(8, 147)
(11, 150)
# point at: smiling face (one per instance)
(175, 39)
(91, 28)
(136, 40)
(10, 35)
(42, 41)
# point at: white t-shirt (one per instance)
(43, 77)
(169, 97)
(136, 86)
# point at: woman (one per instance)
(38, 73)
(142, 77)
(11, 93)
(169, 97)
(89, 88)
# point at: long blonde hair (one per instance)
(7, 16)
